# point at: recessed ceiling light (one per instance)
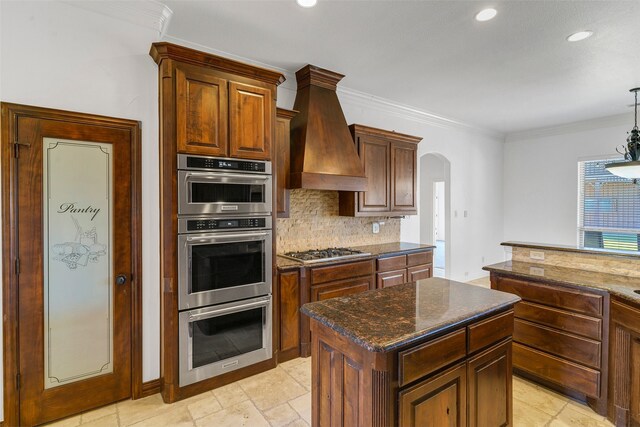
(307, 3)
(580, 35)
(486, 14)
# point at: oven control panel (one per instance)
(197, 225)
(191, 162)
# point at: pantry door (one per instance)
(72, 202)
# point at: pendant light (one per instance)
(630, 167)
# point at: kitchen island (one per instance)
(430, 353)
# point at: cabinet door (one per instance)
(374, 154)
(391, 278)
(341, 288)
(201, 113)
(403, 178)
(283, 165)
(437, 402)
(624, 370)
(419, 272)
(289, 347)
(490, 387)
(250, 121)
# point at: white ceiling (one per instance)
(513, 73)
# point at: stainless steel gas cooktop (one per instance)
(320, 255)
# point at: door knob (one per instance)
(121, 279)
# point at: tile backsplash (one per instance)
(314, 223)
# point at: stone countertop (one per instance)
(618, 285)
(382, 320)
(573, 248)
(382, 249)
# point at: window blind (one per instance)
(608, 208)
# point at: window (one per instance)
(608, 208)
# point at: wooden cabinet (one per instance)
(560, 336)
(398, 269)
(439, 401)
(390, 165)
(624, 362)
(209, 105)
(283, 160)
(436, 382)
(201, 112)
(218, 116)
(490, 387)
(289, 315)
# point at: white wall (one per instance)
(541, 178)
(60, 56)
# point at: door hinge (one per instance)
(18, 144)
(17, 266)
(18, 381)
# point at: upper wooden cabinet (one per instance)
(201, 112)
(283, 160)
(219, 107)
(390, 164)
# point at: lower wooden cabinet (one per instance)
(398, 269)
(289, 315)
(624, 362)
(489, 379)
(391, 278)
(341, 288)
(439, 401)
(560, 334)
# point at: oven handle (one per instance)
(221, 311)
(223, 177)
(229, 238)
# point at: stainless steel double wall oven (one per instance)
(224, 264)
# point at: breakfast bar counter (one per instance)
(433, 352)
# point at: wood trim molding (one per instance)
(361, 130)
(149, 388)
(163, 50)
(8, 119)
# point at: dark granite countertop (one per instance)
(382, 249)
(394, 248)
(384, 319)
(619, 285)
(573, 248)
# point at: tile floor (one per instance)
(282, 397)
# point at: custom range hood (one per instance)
(323, 155)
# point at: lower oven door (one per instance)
(223, 338)
(220, 267)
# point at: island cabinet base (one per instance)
(461, 378)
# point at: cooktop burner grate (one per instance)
(319, 255)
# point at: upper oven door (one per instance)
(222, 267)
(223, 193)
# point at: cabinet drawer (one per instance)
(340, 288)
(490, 331)
(419, 258)
(391, 278)
(555, 296)
(578, 324)
(339, 272)
(559, 371)
(429, 357)
(419, 272)
(558, 343)
(392, 263)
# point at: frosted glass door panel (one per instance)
(78, 265)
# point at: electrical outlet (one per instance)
(375, 228)
(483, 260)
(539, 255)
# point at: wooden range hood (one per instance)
(323, 154)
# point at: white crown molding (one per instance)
(145, 13)
(352, 96)
(573, 127)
